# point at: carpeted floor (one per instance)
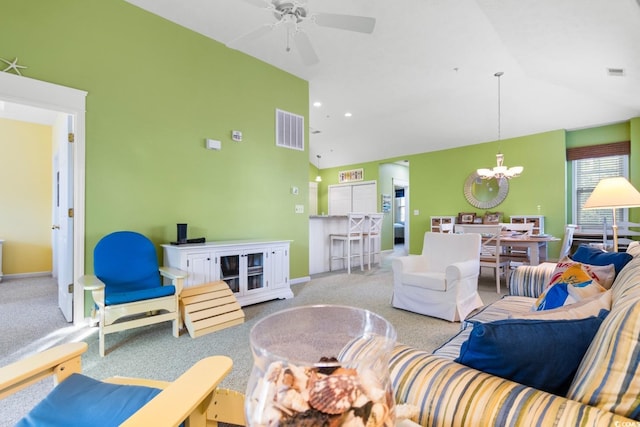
(30, 321)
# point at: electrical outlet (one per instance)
(416, 212)
(299, 209)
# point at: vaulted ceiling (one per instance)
(423, 80)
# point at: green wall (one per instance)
(155, 92)
(436, 179)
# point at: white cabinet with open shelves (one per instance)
(255, 271)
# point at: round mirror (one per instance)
(485, 193)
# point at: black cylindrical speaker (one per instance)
(182, 233)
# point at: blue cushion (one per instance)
(83, 401)
(543, 354)
(112, 298)
(126, 261)
(594, 256)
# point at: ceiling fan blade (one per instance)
(251, 35)
(361, 24)
(305, 49)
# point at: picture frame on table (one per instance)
(492, 218)
(466, 217)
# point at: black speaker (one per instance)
(182, 233)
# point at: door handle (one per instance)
(55, 227)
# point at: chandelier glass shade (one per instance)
(318, 177)
(500, 170)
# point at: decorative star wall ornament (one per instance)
(12, 66)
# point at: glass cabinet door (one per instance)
(255, 270)
(230, 271)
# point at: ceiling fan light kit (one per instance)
(291, 14)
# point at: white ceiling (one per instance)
(424, 79)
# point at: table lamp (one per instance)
(614, 193)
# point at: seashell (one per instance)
(273, 372)
(370, 385)
(301, 377)
(333, 394)
(406, 411)
(351, 420)
(293, 400)
(378, 415)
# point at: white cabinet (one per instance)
(437, 220)
(358, 197)
(255, 271)
(537, 220)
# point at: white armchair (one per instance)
(443, 281)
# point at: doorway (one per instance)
(401, 216)
(70, 104)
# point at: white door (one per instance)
(63, 215)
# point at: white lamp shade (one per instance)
(614, 192)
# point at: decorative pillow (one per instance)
(573, 285)
(543, 354)
(83, 401)
(607, 376)
(595, 256)
(587, 307)
(633, 249)
(603, 274)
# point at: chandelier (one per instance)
(499, 171)
(318, 177)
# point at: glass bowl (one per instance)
(321, 365)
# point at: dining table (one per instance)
(536, 244)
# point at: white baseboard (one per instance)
(300, 280)
(26, 275)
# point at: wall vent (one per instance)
(289, 130)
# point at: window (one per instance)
(590, 165)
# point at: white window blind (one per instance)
(587, 172)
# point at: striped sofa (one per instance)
(604, 392)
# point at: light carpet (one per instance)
(30, 321)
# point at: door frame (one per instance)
(37, 93)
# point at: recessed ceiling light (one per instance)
(317, 104)
(347, 114)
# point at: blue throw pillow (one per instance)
(543, 354)
(83, 401)
(594, 256)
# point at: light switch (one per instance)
(416, 212)
(295, 190)
(299, 209)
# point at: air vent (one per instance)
(289, 130)
(618, 72)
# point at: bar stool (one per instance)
(371, 237)
(353, 233)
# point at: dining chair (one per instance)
(372, 237)
(518, 255)
(490, 250)
(352, 234)
(446, 227)
(567, 241)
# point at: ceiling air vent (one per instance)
(289, 130)
(617, 72)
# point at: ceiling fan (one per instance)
(291, 13)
